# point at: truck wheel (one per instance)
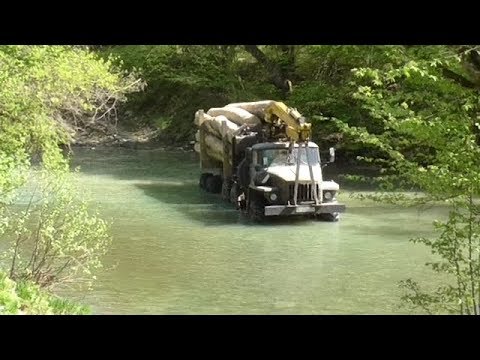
(243, 173)
(214, 184)
(234, 193)
(256, 211)
(226, 185)
(203, 180)
(332, 217)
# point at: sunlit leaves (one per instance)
(46, 93)
(59, 239)
(421, 109)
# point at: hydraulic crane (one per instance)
(293, 125)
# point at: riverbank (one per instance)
(141, 139)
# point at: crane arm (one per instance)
(297, 130)
(295, 126)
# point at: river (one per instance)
(177, 250)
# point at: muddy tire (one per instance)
(243, 174)
(256, 211)
(213, 184)
(330, 217)
(203, 181)
(234, 193)
(226, 186)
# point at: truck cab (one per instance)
(286, 179)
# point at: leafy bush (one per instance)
(48, 94)
(26, 298)
(54, 239)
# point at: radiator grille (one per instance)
(305, 192)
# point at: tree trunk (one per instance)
(278, 77)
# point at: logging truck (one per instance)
(260, 157)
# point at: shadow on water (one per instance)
(206, 208)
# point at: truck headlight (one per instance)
(329, 195)
(273, 196)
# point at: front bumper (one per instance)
(285, 210)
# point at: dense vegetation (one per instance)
(318, 80)
(49, 94)
(27, 298)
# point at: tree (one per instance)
(55, 239)
(278, 73)
(48, 94)
(431, 120)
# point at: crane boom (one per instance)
(296, 128)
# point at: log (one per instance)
(215, 127)
(214, 147)
(237, 115)
(210, 127)
(231, 127)
(257, 107)
(200, 117)
(198, 113)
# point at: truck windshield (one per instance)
(281, 157)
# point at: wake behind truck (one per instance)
(259, 156)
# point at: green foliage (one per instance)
(458, 249)
(48, 93)
(428, 142)
(26, 298)
(182, 79)
(54, 239)
(9, 300)
(426, 127)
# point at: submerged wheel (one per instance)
(243, 173)
(213, 184)
(234, 193)
(226, 185)
(256, 210)
(203, 180)
(331, 217)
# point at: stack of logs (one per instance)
(235, 116)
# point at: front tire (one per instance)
(234, 194)
(256, 210)
(226, 186)
(203, 180)
(213, 184)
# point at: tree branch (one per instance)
(460, 79)
(277, 76)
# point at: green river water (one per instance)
(177, 250)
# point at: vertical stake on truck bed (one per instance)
(314, 186)
(227, 166)
(297, 172)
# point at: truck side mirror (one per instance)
(332, 155)
(248, 154)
